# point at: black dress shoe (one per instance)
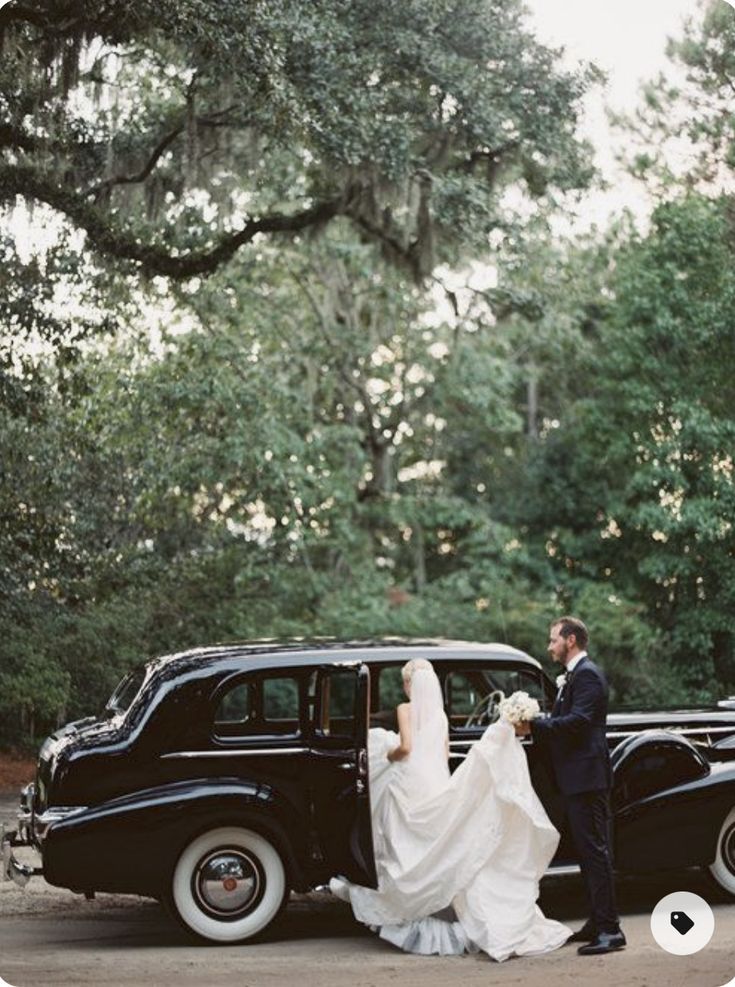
(604, 942)
(586, 934)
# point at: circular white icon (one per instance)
(682, 923)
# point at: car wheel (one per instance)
(723, 868)
(228, 884)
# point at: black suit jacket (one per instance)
(575, 732)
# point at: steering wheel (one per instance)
(485, 710)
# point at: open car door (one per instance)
(340, 787)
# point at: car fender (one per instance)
(662, 821)
(130, 844)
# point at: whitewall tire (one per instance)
(228, 884)
(723, 868)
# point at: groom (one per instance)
(576, 738)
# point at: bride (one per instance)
(459, 857)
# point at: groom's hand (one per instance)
(522, 729)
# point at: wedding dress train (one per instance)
(475, 843)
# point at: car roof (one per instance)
(326, 651)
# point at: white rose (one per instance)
(519, 708)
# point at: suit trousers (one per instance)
(590, 822)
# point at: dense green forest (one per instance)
(289, 345)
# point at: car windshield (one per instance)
(125, 693)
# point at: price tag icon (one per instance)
(681, 922)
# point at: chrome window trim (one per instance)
(250, 751)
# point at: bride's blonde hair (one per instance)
(413, 666)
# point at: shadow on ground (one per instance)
(318, 914)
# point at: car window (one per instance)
(472, 694)
(342, 690)
(123, 696)
(280, 699)
(259, 706)
(336, 706)
(390, 685)
(386, 693)
(236, 706)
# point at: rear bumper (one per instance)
(12, 868)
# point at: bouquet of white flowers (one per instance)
(519, 708)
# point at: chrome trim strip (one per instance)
(250, 752)
(566, 871)
(730, 729)
(675, 729)
(619, 734)
(56, 814)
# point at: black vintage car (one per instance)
(220, 778)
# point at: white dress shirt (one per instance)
(561, 680)
(571, 665)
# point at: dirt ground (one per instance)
(52, 938)
(16, 770)
(61, 941)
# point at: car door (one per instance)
(338, 765)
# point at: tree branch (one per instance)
(323, 326)
(11, 136)
(153, 259)
(145, 171)
(62, 17)
(392, 244)
(19, 12)
(491, 157)
(210, 120)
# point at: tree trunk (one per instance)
(532, 402)
(419, 557)
(382, 463)
(723, 659)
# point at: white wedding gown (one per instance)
(476, 842)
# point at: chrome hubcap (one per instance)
(226, 882)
